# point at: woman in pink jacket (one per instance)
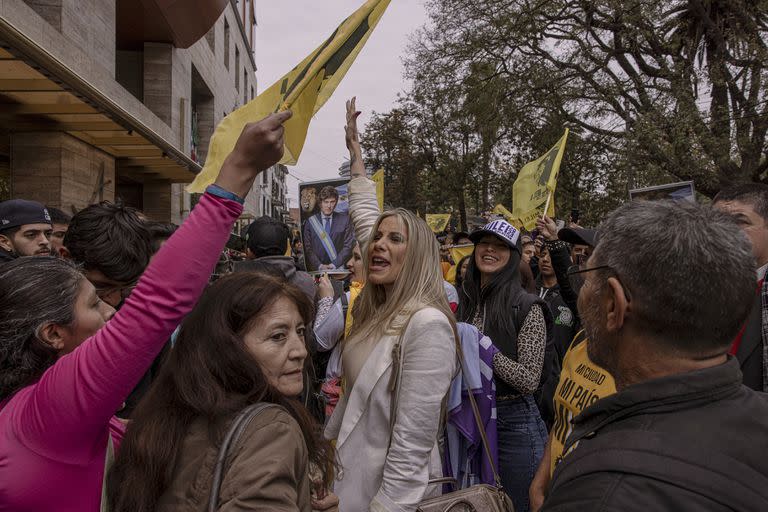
(67, 364)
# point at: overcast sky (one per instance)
(288, 30)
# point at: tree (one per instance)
(678, 85)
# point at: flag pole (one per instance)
(546, 206)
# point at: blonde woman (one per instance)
(386, 425)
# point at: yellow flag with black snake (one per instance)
(304, 90)
(535, 185)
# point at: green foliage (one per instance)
(653, 91)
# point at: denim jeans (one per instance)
(522, 437)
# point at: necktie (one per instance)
(328, 225)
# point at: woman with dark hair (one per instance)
(493, 299)
(461, 272)
(242, 344)
(64, 373)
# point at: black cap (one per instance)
(19, 212)
(268, 237)
(579, 236)
(460, 234)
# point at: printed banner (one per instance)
(304, 90)
(674, 191)
(326, 228)
(535, 183)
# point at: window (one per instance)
(226, 44)
(237, 68)
(252, 92)
(245, 86)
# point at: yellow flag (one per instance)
(438, 221)
(534, 185)
(304, 90)
(460, 251)
(378, 177)
(500, 210)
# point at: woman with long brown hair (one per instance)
(242, 344)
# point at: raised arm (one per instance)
(77, 396)
(561, 260)
(363, 203)
(356, 164)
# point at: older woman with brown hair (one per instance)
(242, 344)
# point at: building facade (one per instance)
(118, 99)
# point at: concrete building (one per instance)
(118, 99)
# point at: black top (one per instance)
(692, 441)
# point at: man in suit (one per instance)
(748, 203)
(328, 235)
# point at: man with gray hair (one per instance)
(665, 292)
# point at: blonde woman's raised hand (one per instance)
(352, 136)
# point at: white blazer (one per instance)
(383, 473)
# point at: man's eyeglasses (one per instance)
(576, 276)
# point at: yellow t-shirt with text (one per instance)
(582, 383)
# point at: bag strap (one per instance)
(394, 386)
(344, 306)
(230, 439)
(668, 458)
(478, 419)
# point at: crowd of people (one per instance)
(618, 368)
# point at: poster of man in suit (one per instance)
(326, 228)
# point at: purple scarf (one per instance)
(470, 464)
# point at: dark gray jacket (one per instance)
(750, 352)
(6, 257)
(694, 441)
(288, 267)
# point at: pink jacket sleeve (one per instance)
(74, 400)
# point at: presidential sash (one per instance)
(324, 237)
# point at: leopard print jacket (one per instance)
(523, 374)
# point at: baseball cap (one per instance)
(267, 237)
(502, 230)
(19, 212)
(579, 236)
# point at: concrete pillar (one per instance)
(157, 201)
(158, 80)
(59, 170)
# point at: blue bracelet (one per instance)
(226, 194)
